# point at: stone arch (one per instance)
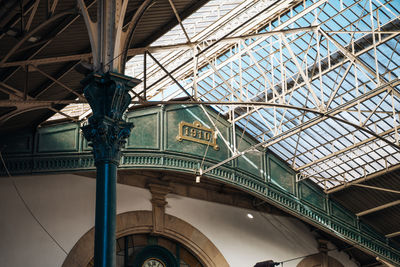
(319, 260)
(140, 222)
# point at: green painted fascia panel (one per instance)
(21, 144)
(342, 214)
(252, 161)
(146, 131)
(85, 144)
(280, 175)
(243, 180)
(176, 114)
(368, 229)
(58, 138)
(312, 195)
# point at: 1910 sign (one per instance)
(196, 132)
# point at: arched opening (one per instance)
(319, 260)
(136, 250)
(187, 244)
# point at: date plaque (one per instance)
(196, 132)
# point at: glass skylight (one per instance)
(316, 82)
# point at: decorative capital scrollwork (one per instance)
(108, 96)
(107, 136)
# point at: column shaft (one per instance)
(104, 247)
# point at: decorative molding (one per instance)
(158, 202)
(141, 222)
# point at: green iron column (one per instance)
(107, 92)
(106, 131)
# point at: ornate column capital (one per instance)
(106, 131)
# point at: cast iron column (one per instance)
(106, 132)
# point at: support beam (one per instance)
(4, 118)
(170, 75)
(27, 103)
(43, 89)
(386, 264)
(382, 207)
(179, 20)
(57, 81)
(378, 188)
(366, 178)
(393, 234)
(152, 49)
(316, 102)
(49, 39)
(127, 35)
(31, 16)
(31, 33)
(49, 60)
(33, 102)
(342, 151)
(11, 90)
(174, 47)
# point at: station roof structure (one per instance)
(43, 42)
(315, 82)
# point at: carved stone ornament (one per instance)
(108, 96)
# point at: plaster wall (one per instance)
(245, 241)
(64, 204)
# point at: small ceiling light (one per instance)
(250, 216)
(33, 39)
(11, 32)
(198, 179)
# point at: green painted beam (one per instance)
(156, 143)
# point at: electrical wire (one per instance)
(290, 240)
(27, 207)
